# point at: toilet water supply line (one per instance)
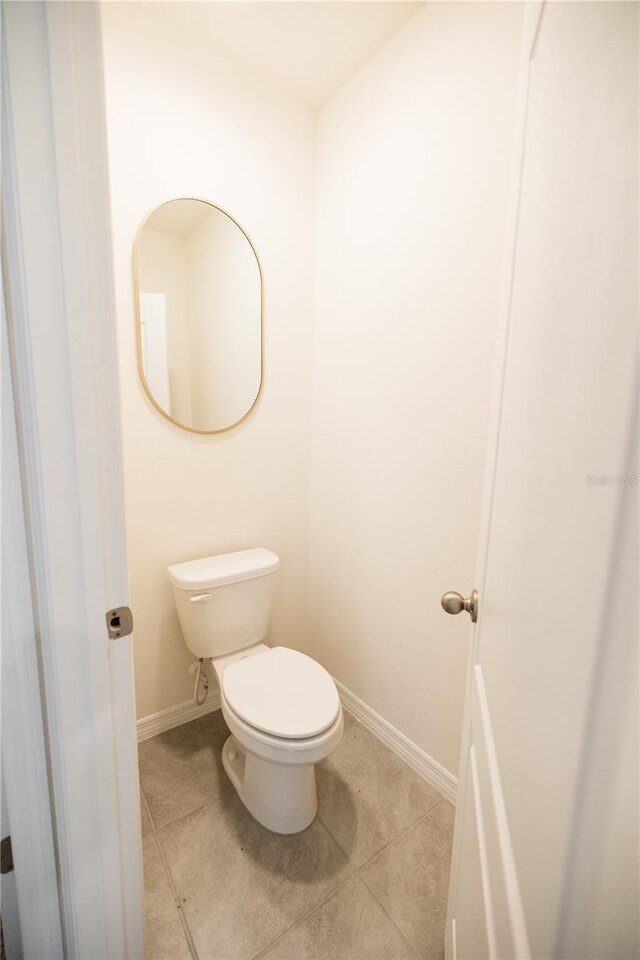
(198, 669)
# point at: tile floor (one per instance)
(366, 881)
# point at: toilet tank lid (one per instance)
(222, 569)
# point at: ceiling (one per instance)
(306, 49)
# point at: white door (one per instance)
(546, 839)
(69, 758)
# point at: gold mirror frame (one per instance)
(138, 324)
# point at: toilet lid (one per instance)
(282, 692)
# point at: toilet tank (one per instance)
(224, 602)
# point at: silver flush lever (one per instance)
(201, 598)
(453, 603)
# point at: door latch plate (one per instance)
(6, 855)
(119, 622)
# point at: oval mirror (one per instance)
(198, 292)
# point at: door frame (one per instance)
(58, 279)
(532, 17)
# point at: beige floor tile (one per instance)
(181, 770)
(243, 885)
(147, 823)
(351, 925)
(411, 879)
(367, 796)
(347, 718)
(165, 937)
(158, 895)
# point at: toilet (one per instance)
(281, 707)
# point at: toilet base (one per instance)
(282, 797)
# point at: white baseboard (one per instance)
(156, 723)
(424, 765)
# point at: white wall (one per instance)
(414, 158)
(183, 123)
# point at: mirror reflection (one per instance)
(199, 314)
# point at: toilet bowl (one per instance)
(281, 706)
(283, 711)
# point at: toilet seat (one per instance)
(280, 749)
(282, 693)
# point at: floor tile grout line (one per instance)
(181, 816)
(404, 763)
(357, 871)
(181, 910)
(375, 856)
(305, 915)
(395, 840)
(373, 859)
(391, 920)
(264, 950)
(174, 889)
(378, 855)
(363, 869)
(320, 902)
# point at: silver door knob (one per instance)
(453, 603)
